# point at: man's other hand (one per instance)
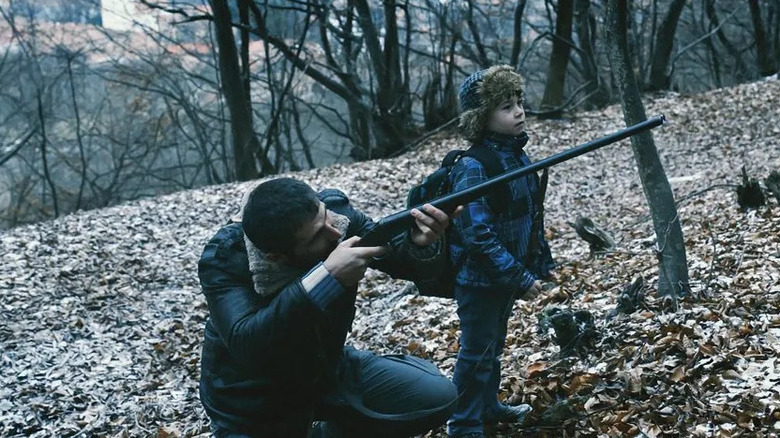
(431, 224)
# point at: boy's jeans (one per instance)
(483, 317)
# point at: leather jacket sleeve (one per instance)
(250, 326)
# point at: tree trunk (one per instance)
(243, 19)
(390, 121)
(440, 98)
(483, 60)
(733, 51)
(766, 62)
(44, 159)
(245, 142)
(79, 137)
(559, 59)
(585, 23)
(659, 78)
(673, 266)
(774, 26)
(517, 40)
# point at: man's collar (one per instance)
(268, 276)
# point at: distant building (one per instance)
(124, 14)
(57, 11)
(116, 15)
(127, 15)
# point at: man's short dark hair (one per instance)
(276, 210)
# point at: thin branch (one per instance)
(18, 147)
(700, 39)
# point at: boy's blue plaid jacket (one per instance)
(495, 245)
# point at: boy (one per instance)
(490, 248)
(281, 288)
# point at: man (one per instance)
(281, 288)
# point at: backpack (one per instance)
(437, 184)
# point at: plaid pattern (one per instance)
(496, 245)
(468, 94)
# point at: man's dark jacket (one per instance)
(268, 357)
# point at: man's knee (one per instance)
(440, 392)
(431, 390)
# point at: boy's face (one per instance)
(508, 118)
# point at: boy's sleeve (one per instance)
(476, 225)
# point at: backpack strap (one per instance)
(493, 167)
(451, 157)
(537, 222)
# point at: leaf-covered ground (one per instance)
(102, 317)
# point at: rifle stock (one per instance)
(397, 223)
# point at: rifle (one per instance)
(397, 223)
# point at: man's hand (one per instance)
(429, 226)
(347, 263)
(532, 291)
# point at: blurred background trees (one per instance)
(106, 101)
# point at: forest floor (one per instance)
(102, 317)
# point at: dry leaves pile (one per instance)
(102, 316)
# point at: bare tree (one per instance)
(517, 37)
(439, 98)
(731, 50)
(383, 122)
(559, 59)
(263, 86)
(767, 64)
(45, 155)
(664, 40)
(673, 266)
(585, 25)
(476, 34)
(69, 58)
(245, 142)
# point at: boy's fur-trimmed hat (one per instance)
(481, 93)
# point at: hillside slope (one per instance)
(102, 316)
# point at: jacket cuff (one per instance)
(321, 287)
(526, 282)
(422, 253)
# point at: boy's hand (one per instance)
(431, 224)
(532, 291)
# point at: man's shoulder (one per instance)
(227, 238)
(230, 231)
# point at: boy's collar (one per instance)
(518, 141)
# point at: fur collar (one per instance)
(268, 276)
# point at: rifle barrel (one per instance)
(390, 226)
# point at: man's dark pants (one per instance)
(379, 396)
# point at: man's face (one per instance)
(508, 117)
(315, 240)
